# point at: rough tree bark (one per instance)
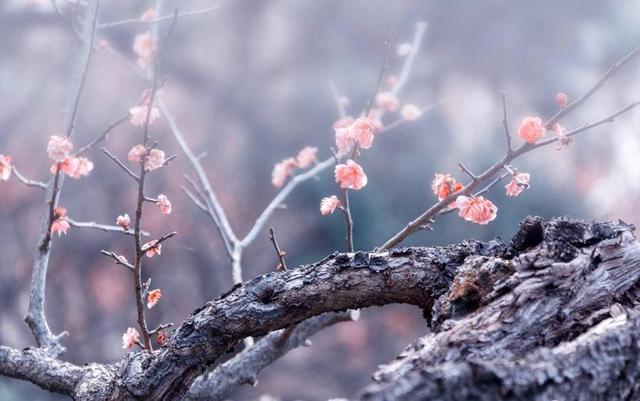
(552, 315)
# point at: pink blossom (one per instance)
(74, 167)
(329, 205)
(410, 112)
(362, 131)
(59, 148)
(139, 115)
(164, 204)
(391, 81)
(283, 170)
(343, 122)
(343, 139)
(152, 248)
(518, 183)
(149, 14)
(130, 338)
(387, 101)
(123, 221)
(154, 160)
(60, 225)
(5, 167)
(161, 338)
(153, 297)
(307, 156)
(562, 99)
(476, 209)
(102, 44)
(531, 129)
(443, 186)
(137, 153)
(145, 48)
(350, 175)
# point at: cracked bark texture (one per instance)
(552, 315)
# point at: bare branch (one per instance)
(119, 259)
(102, 136)
(505, 122)
(26, 181)
(164, 18)
(120, 164)
(469, 172)
(283, 265)
(383, 68)
(244, 367)
(102, 227)
(37, 367)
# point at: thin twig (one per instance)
(342, 112)
(119, 259)
(383, 68)
(133, 21)
(102, 227)
(469, 172)
(120, 164)
(283, 265)
(102, 136)
(505, 122)
(416, 43)
(27, 181)
(346, 208)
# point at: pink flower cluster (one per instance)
(519, 182)
(163, 204)
(153, 158)
(5, 167)
(60, 224)
(359, 132)
(59, 150)
(145, 47)
(139, 115)
(130, 338)
(329, 204)
(476, 209)
(284, 169)
(152, 248)
(531, 129)
(350, 175)
(153, 297)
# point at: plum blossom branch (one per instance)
(164, 18)
(35, 317)
(416, 224)
(119, 259)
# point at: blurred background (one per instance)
(249, 84)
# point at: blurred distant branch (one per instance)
(421, 28)
(164, 18)
(35, 317)
(426, 217)
(505, 122)
(244, 367)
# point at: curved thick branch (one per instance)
(34, 366)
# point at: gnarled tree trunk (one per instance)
(552, 315)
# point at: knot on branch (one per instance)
(469, 290)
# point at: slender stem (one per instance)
(346, 208)
(133, 21)
(120, 164)
(383, 68)
(279, 252)
(28, 182)
(102, 136)
(505, 122)
(421, 28)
